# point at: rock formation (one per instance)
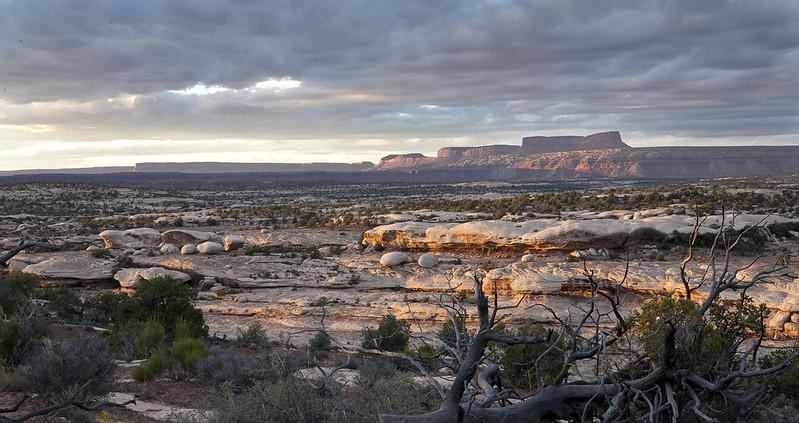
(131, 238)
(598, 155)
(541, 234)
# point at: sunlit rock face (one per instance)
(584, 232)
(131, 238)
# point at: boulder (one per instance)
(778, 320)
(132, 278)
(185, 236)
(169, 249)
(394, 258)
(188, 249)
(527, 258)
(209, 247)
(428, 260)
(234, 242)
(131, 238)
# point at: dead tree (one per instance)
(664, 387)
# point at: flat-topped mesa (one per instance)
(600, 141)
(476, 153)
(405, 160)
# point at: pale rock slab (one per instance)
(132, 278)
(131, 238)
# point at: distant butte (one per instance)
(602, 155)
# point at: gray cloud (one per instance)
(398, 71)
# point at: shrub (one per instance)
(188, 351)
(525, 365)
(15, 291)
(787, 383)
(20, 334)
(150, 338)
(72, 364)
(372, 370)
(253, 335)
(153, 367)
(390, 335)
(161, 299)
(320, 342)
(235, 369)
(64, 303)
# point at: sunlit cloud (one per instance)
(271, 84)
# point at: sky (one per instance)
(106, 83)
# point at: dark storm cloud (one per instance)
(488, 70)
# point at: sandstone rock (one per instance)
(185, 236)
(778, 320)
(791, 329)
(73, 269)
(209, 247)
(795, 318)
(428, 261)
(593, 235)
(132, 278)
(93, 249)
(15, 265)
(234, 242)
(394, 258)
(169, 249)
(528, 258)
(131, 238)
(188, 249)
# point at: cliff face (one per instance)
(602, 140)
(602, 155)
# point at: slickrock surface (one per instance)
(72, 269)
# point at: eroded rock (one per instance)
(234, 242)
(131, 238)
(428, 260)
(73, 269)
(185, 236)
(132, 278)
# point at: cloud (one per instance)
(487, 71)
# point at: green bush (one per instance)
(162, 299)
(320, 342)
(787, 383)
(253, 335)
(150, 339)
(390, 335)
(64, 303)
(153, 367)
(527, 365)
(15, 291)
(188, 351)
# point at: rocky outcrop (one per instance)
(131, 238)
(181, 237)
(540, 234)
(72, 269)
(132, 278)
